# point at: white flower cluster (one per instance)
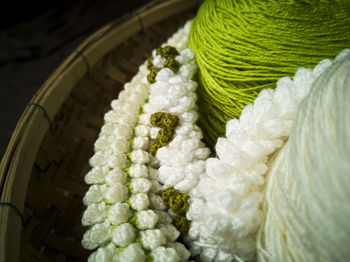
(182, 161)
(124, 208)
(225, 208)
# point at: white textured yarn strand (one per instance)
(307, 197)
(182, 161)
(232, 192)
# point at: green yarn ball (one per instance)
(245, 46)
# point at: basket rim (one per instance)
(19, 157)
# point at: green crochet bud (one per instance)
(151, 77)
(162, 119)
(150, 65)
(154, 148)
(178, 203)
(172, 64)
(182, 224)
(170, 120)
(167, 194)
(157, 119)
(164, 136)
(167, 51)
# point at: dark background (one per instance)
(35, 37)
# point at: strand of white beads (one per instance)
(125, 211)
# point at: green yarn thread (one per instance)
(244, 46)
(168, 122)
(178, 203)
(167, 52)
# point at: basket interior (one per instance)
(52, 228)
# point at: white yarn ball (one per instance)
(307, 202)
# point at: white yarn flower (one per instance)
(152, 238)
(124, 235)
(100, 158)
(96, 235)
(117, 160)
(170, 232)
(157, 202)
(165, 254)
(117, 193)
(146, 219)
(115, 176)
(118, 213)
(139, 201)
(94, 194)
(95, 213)
(141, 142)
(163, 217)
(133, 252)
(103, 254)
(138, 171)
(181, 250)
(140, 185)
(139, 156)
(96, 175)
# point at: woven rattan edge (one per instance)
(16, 165)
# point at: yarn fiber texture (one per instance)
(232, 192)
(307, 203)
(244, 46)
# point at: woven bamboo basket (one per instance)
(42, 172)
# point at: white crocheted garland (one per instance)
(125, 211)
(182, 161)
(232, 192)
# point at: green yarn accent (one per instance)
(133, 221)
(172, 64)
(150, 65)
(127, 184)
(178, 203)
(151, 77)
(119, 250)
(165, 135)
(128, 202)
(182, 224)
(243, 47)
(167, 194)
(168, 122)
(162, 119)
(157, 119)
(167, 51)
(138, 239)
(154, 148)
